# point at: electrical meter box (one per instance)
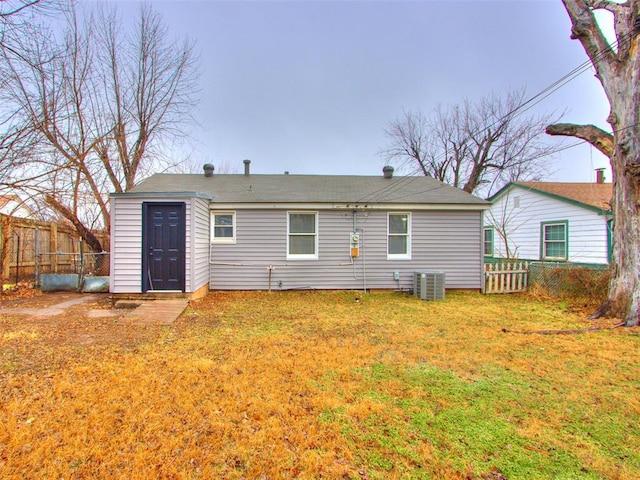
(354, 240)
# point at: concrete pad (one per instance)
(104, 313)
(127, 304)
(157, 312)
(57, 309)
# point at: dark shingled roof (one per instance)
(257, 188)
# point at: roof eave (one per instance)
(347, 207)
(204, 196)
(593, 208)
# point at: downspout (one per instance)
(483, 275)
(364, 264)
(361, 247)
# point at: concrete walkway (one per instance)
(157, 312)
(57, 309)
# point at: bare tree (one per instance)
(15, 15)
(475, 147)
(9, 9)
(506, 218)
(88, 113)
(618, 70)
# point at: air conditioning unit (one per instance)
(429, 285)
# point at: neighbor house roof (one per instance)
(336, 189)
(591, 195)
(6, 199)
(13, 205)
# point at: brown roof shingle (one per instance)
(594, 194)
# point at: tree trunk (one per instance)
(618, 69)
(624, 289)
(87, 235)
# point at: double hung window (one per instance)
(487, 245)
(554, 240)
(302, 233)
(399, 236)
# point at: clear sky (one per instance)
(309, 86)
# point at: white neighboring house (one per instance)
(550, 221)
(13, 205)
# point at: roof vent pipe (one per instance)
(208, 170)
(387, 171)
(247, 164)
(599, 175)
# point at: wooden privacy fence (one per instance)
(24, 242)
(508, 277)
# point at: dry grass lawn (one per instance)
(321, 385)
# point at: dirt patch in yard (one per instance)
(36, 333)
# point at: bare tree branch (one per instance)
(597, 137)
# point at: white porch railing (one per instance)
(508, 277)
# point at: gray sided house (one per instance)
(194, 233)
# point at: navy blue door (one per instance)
(163, 246)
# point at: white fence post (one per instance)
(508, 277)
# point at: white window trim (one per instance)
(545, 242)
(400, 256)
(294, 256)
(484, 241)
(212, 236)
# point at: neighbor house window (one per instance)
(554, 240)
(398, 236)
(488, 242)
(223, 227)
(302, 233)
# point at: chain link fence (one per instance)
(86, 272)
(84, 264)
(566, 279)
(95, 264)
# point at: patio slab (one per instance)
(157, 312)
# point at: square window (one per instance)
(223, 227)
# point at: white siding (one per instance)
(200, 252)
(587, 230)
(126, 243)
(447, 241)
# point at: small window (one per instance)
(302, 242)
(554, 240)
(488, 242)
(399, 236)
(223, 227)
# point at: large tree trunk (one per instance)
(87, 235)
(623, 90)
(618, 69)
(624, 290)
